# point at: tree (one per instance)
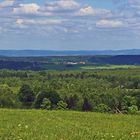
(7, 98)
(86, 105)
(62, 105)
(51, 95)
(72, 101)
(26, 95)
(46, 104)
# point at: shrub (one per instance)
(62, 105)
(102, 108)
(7, 98)
(46, 104)
(133, 109)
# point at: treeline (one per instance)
(114, 91)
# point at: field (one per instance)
(110, 67)
(66, 125)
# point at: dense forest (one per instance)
(114, 91)
(65, 62)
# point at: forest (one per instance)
(66, 62)
(104, 90)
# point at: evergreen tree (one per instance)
(26, 95)
(86, 105)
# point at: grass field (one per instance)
(110, 67)
(66, 125)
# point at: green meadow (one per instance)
(67, 125)
(110, 67)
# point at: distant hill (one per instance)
(65, 62)
(116, 60)
(18, 53)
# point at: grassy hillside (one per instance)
(66, 125)
(110, 67)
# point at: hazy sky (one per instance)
(70, 24)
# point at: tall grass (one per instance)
(67, 125)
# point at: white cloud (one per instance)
(62, 5)
(109, 24)
(84, 11)
(30, 8)
(134, 2)
(66, 15)
(7, 3)
(38, 22)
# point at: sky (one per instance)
(69, 24)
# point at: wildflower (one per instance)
(19, 125)
(26, 126)
(134, 134)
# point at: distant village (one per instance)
(70, 63)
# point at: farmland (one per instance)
(66, 125)
(109, 67)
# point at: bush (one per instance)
(7, 98)
(62, 105)
(102, 108)
(133, 109)
(46, 104)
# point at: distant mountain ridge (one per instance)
(26, 53)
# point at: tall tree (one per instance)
(26, 95)
(86, 105)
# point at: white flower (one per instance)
(19, 125)
(26, 126)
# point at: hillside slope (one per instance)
(66, 125)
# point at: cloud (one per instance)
(67, 17)
(109, 24)
(134, 3)
(7, 3)
(88, 10)
(38, 22)
(85, 11)
(30, 8)
(62, 5)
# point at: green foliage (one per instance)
(72, 101)
(26, 95)
(86, 105)
(62, 105)
(46, 104)
(7, 98)
(128, 104)
(51, 95)
(133, 109)
(102, 108)
(115, 90)
(39, 99)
